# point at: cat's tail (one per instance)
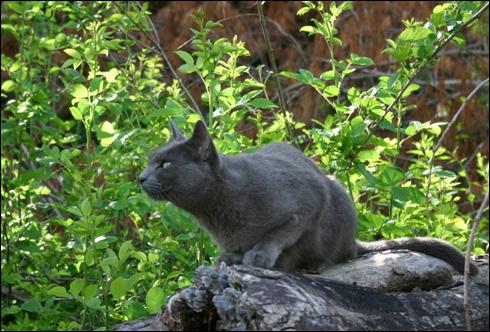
(433, 247)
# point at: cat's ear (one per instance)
(203, 143)
(176, 133)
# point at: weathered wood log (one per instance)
(249, 298)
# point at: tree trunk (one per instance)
(249, 298)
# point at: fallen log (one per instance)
(427, 296)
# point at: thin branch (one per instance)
(282, 103)
(467, 261)
(455, 118)
(388, 110)
(443, 136)
(48, 273)
(161, 52)
(467, 23)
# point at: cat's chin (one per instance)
(155, 196)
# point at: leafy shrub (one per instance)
(84, 103)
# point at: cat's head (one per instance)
(183, 170)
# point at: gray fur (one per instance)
(271, 208)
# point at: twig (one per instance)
(467, 261)
(161, 52)
(443, 136)
(397, 99)
(48, 273)
(282, 103)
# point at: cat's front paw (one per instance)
(230, 258)
(259, 258)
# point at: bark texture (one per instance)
(249, 298)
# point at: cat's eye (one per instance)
(165, 164)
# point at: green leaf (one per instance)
(410, 130)
(391, 176)
(96, 86)
(79, 223)
(133, 280)
(393, 78)
(10, 310)
(308, 28)
(32, 305)
(326, 33)
(367, 174)
(112, 74)
(58, 291)
(76, 113)
(12, 278)
(401, 53)
(353, 95)
(141, 256)
(73, 53)
(65, 157)
(42, 190)
(294, 76)
(124, 251)
(425, 51)
(118, 287)
(392, 43)
(89, 256)
(437, 19)
(303, 11)
(262, 103)
(459, 40)
(412, 35)
(155, 299)
(186, 57)
(79, 91)
(187, 69)
(153, 257)
(444, 174)
(211, 24)
(375, 221)
(330, 75)
(106, 134)
(90, 54)
(33, 231)
(9, 86)
(406, 194)
(410, 89)
(367, 154)
(172, 108)
(361, 61)
(184, 237)
(331, 91)
(86, 206)
(76, 286)
(95, 303)
(318, 84)
(90, 292)
(306, 75)
(337, 41)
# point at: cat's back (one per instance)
(282, 155)
(276, 169)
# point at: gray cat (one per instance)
(271, 208)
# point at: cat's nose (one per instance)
(143, 176)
